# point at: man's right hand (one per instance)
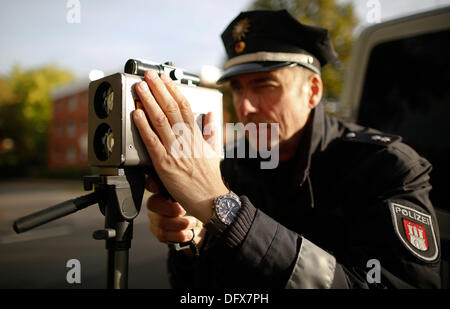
(168, 220)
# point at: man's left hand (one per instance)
(193, 181)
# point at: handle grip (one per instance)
(54, 212)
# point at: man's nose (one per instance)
(247, 106)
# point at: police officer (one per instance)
(346, 207)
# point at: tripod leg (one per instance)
(122, 197)
(118, 251)
(121, 269)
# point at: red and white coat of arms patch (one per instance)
(416, 235)
(416, 231)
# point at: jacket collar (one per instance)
(325, 130)
(321, 130)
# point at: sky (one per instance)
(108, 32)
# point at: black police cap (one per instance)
(261, 41)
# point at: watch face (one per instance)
(227, 209)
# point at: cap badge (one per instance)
(239, 47)
(240, 29)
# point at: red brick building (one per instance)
(68, 132)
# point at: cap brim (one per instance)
(252, 67)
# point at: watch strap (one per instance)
(215, 226)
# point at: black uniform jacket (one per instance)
(350, 210)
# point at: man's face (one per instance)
(280, 96)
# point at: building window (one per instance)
(58, 154)
(72, 103)
(58, 129)
(71, 128)
(70, 155)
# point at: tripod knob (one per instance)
(104, 234)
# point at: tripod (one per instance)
(119, 194)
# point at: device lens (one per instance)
(103, 142)
(104, 100)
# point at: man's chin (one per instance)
(265, 132)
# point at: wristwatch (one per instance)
(225, 210)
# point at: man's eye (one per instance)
(265, 86)
(235, 88)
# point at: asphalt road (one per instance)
(38, 258)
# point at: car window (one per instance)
(407, 92)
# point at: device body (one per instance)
(114, 140)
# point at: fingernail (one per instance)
(138, 114)
(143, 86)
(165, 77)
(151, 74)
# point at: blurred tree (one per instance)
(25, 112)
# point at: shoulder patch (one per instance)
(416, 231)
(383, 139)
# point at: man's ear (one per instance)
(315, 90)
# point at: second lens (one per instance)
(103, 142)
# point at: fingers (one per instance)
(173, 224)
(156, 115)
(168, 223)
(151, 141)
(158, 204)
(209, 131)
(169, 236)
(168, 111)
(183, 104)
(162, 94)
